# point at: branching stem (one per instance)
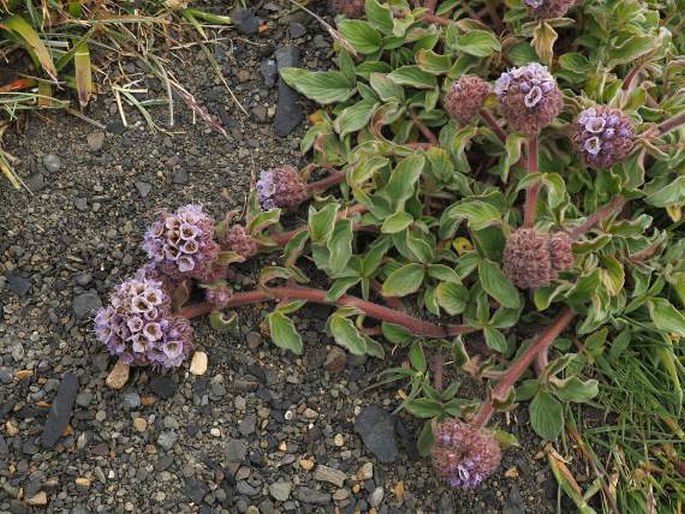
(596, 218)
(325, 183)
(373, 310)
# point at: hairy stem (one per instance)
(491, 122)
(519, 366)
(534, 190)
(325, 183)
(438, 369)
(373, 310)
(427, 133)
(670, 124)
(431, 5)
(596, 218)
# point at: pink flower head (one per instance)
(239, 241)
(545, 9)
(462, 455)
(350, 8)
(465, 98)
(529, 98)
(182, 244)
(218, 296)
(281, 187)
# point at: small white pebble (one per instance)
(215, 432)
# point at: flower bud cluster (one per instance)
(465, 98)
(529, 98)
(534, 259)
(545, 9)
(182, 243)
(281, 187)
(350, 8)
(218, 296)
(138, 327)
(462, 455)
(603, 136)
(236, 239)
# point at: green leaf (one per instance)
(417, 357)
(283, 332)
(403, 179)
(397, 222)
(355, 117)
(346, 334)
(423, 407)
(324, 87)
(395, 333)
(386, 88)
(322, 222)
(262, 220)
(665, 316)
(426, 440)
(340, 246)
(629, 49)
(340, 287)
(495, 340)
(479, 215)
(673, 193)
(433, 63)
(497, 285)
(219, 322)
(413, 76)
(379, 16)
(452, 297)
(575, 390)
(444, 273)
(29, 38)
(479, 43)
(546, 415)
(404, 280)
(361, 35)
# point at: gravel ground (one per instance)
(261, 431)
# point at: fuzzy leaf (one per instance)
(404, 280)
(452, 297)
(497, 285)
(665, 316)
(479, 43)
(413, 76)
(324, 87)
(322, 222)
(361, 35)
(546, 415)
(283, 332)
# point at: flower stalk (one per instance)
(534, 190)
(519, 366)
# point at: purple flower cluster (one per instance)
(350, 8)
(182, 243)
(465, 98)
(529, 98)
(545, 9)
(236, 239)
(603, 136)
(534, 259)
(462, 455)
(281, 187)
(138, 327)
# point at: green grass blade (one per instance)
(84, 79)
(20, 28)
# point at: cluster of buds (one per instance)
(465, 98)
(138, 326)
(350, 8)
(182, 243)
(529, 98)
(462, 455)
(545, 9)
(281, 187)
(603, 136)
(218, 295)
(534, 259)
(236, 239)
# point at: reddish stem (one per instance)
(534, 190)
(431, 5)
(427, 133)
(438, 369)
(519, 366)
(432, 18)
(491, 122)
(670, 124)
(325, 183)
(393, 302)
(284, 237)
(632, 75)
(597, 217)
(379, 312)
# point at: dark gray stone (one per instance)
(287, 56)
(268, 69)
(288, 111)
(247, 425)
(246, 489)
(4, 449)
(236, 450)
(60, 411)
(6, 375)
(81, 204)
(514, 503)
(86, 303)
(51, 163)
(196, 489)
(245, 21)
(18, 285)
(143, 188)
(309, 495)
(180, 176)
(163, 386)
(377, 429)
(95, 140)
(296, 29)
(36, 183)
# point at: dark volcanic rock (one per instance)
(196, 489)
(514, 502)
(60, 411)
(377, 429)
(18, 285)
(164, 387)
(245, 21)
(87, 303)
(288, 111)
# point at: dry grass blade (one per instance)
(191, 102)
(84, 79)
(334, 33)
(20, 29)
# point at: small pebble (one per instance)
(198, 366)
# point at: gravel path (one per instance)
(260, 431)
